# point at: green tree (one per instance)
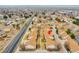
(5, 17)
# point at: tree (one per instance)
(26, 17)
(35, 15)
(44, 17)
(72, 36)
(5, 17)
(9, 15)
(70, 33)
(30, 15)
(76, 22)
(57, 19)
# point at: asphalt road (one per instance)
(10, 48)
